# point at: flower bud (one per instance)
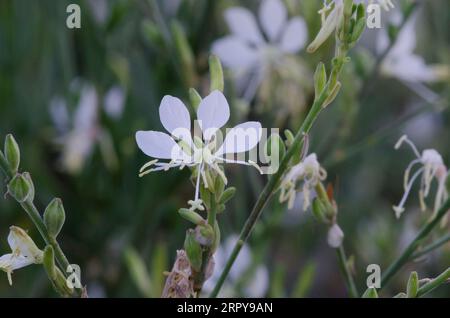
(191, 216)
(193, 250)
(216, 73)
(289, 137)
(19, 188)
(358, 29)
(195, 98)
(320, 79)
(54, 217)
(335, 236)
(370, 292)
(30, 181)
(332, 95)
(318, 210)
(227, 195)
(49, 262)
(12, 153)
(413, 285)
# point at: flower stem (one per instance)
(273, 182)
(434, 283)
(412, 247)
(431, 247)
(343, 264)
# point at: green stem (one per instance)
(431, 247)
(343, 264)
(412, 247)
(434, 283)
(273, 182)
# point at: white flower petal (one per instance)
(235, 52)
(11, 262)
(243, 24)
(294, 36)
(22, 244)
(213, 112)
(86, 113)
(335, 236)
(175, 117)
(114, 102)
(273, 16)
(158, 145)
(241, 138)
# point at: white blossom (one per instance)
(24, 252)
(432, 166)
(309, 173)
(335, 236)
(199, 152)
(248, 50)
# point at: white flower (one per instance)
(81, 132)
(24, 252)
(248, 50)
(335, 236)
(201, 152)
(307, 171)
(432, 166)
(330, 22)
(401, 61)
(254, 281)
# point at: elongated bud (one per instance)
(19, 188)
(193, 250)
(184, 53)
(318, 210)
(216, 73)
(49, 262)
(370, 292)
(216, 242)
(413, 285)
(332, 95)
(227, 195)
(191, 216)
(194, 98)
(30, 181)
(358, 30)
(219, 186)
(320, 79)
(289, 137)
(54, 217)
(12, 153)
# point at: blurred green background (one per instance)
(123, 230)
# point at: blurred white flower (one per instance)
(24, 252)
(79, 133)
(432, 166)
(307, 171)
(253, 282)
(114, 102)
(247, 50)
(213, 113)
(401, 61)
(335, 236)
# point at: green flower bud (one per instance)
(191, 216)
(318, 210)
(320, 79)
(195, 98)
(219, 186)
(216, 73)
(360, 12)
(12, 153)
(289, 137)
(30, 181)
(54, 217)
(49, 262)
(413, 285)
(193, 250)
(332, 95)
(227, 195)
(358, 30)
(216, 242)
(19, 188)
(370, 292)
